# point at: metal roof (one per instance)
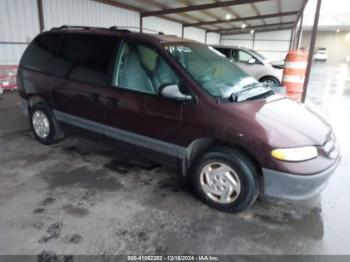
(221, 16)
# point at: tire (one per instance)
(54, 133)
(244, 169)
(270, 80)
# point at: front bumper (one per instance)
(295, 187)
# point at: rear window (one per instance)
(40, 52)
(80, 57)
(86, 58)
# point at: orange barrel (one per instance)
(294, 73)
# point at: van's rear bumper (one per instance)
(295, 187)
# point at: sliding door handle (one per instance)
(110, 101)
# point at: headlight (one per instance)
(295, 154)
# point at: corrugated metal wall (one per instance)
(273, 45)
(86, 13)
(18, 25)
(173, 28)
(19, 22)
(245, 40)
(213, 39)
(194, 34)
(162, 25)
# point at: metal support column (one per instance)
(182, 31)
(311, 49)
(300, 32)
(141, 22)
(205, 39)
(291, 42)
(41, 15)
(253, 43)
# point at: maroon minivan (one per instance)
(182, 102)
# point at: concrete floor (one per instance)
(81, 197)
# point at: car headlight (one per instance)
(295, 154)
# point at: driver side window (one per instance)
(142, 69)
(244, 56)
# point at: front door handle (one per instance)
(93, 97)
(110, 101)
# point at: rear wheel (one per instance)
(44, 125)
(225, 179)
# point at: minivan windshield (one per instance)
(216, 74)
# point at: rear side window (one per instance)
(40, 53)
(86, 58)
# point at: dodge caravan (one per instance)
(229, 134)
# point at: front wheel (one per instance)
(226, 179)
(270, 80)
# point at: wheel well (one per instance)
(198, 146)
(35, 99)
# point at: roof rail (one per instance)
(114, 28)
(136, 27)
(65, 27)
(117, 28)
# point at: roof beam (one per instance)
(279, 3)
(118, 4)
(257, 12)
(132, 8)
(260, 30)
(230, 10)
(252, 27)
(241, 19)
(162, 6)
(205, 12)
(199, 7)
(301, 11)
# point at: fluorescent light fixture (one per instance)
(252, 32)
(338, 30)
(243, 26)
(227, 16)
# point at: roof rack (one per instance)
(114, 28)
(135, 27)
(65, 27)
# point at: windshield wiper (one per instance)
(261, 95)
(235, 95)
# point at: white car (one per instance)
(253, 63)
(321, 55)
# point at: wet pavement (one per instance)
(82, 197)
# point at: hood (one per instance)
(280, 122)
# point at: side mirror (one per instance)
(252, 61)
(172, 91)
